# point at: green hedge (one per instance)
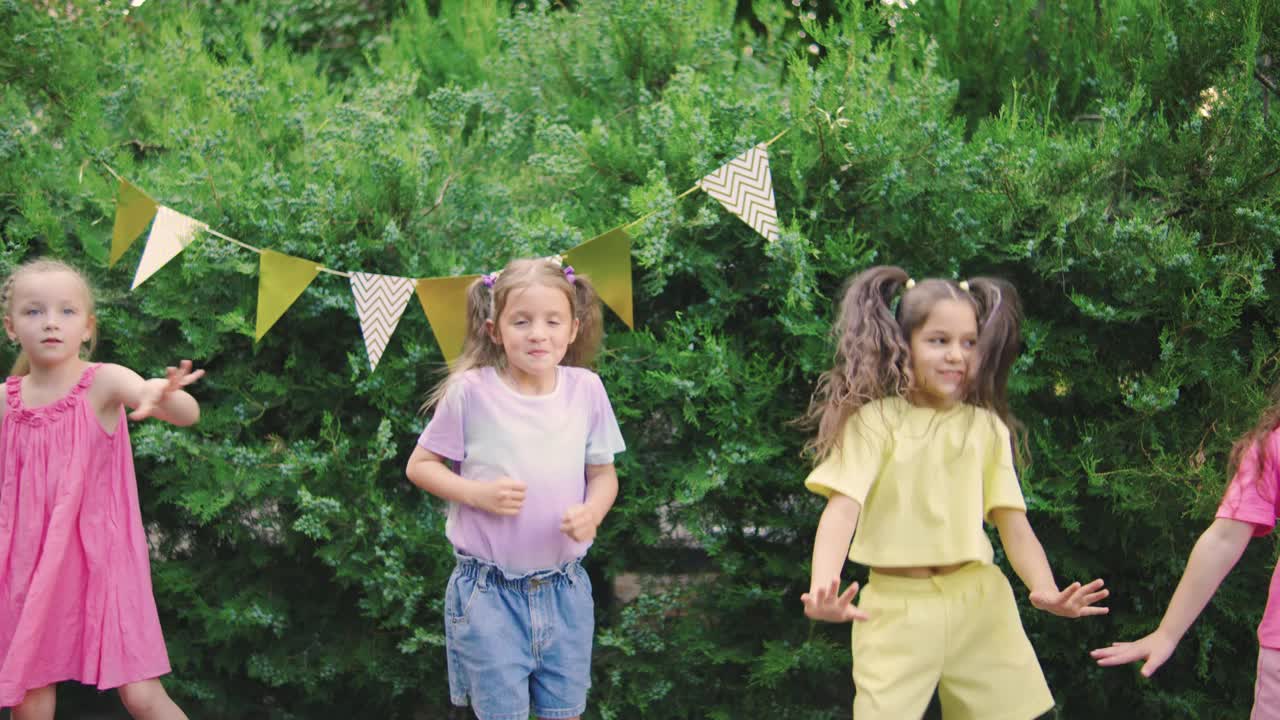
(298, 573)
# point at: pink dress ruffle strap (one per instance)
(75, 577)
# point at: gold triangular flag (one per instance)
(444, 300)
(171, 233)
(134, 209)
(281, 279)
(606, 259)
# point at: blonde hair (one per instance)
(879, 311)
(486, 303)
(22, 365)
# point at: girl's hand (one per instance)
(503, 496)
(579, 523)
(1154, 648)
(155, 390)
(1073, 601)
(830, 605)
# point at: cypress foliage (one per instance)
(1117, 161)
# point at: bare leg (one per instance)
(147, 700)
(36, 705)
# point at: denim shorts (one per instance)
(517, 641)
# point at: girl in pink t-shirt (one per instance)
(75, 579)
(1248, 509)
(521, 444)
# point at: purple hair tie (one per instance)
(490, 279)
(568, 274)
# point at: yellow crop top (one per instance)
(926, 480)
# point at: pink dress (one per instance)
(75, 579)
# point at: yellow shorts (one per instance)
(959, 633)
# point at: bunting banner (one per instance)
(745, 187)
(171, 233)
(380, 301)
(281, 279)
(134, 210)
(444, 300)
(606, 259)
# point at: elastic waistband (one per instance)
(488, 573)
(971, 572)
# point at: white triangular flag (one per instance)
(380, 301)
(170, 234)
(745, 187)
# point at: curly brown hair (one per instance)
(487, 303)
(878, 315)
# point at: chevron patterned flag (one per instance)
(380, 301)
(745, 187)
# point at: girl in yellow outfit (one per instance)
(913, 433)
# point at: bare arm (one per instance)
(602, 489)
(580, 522)
(429, 471)
(1216, 552)
(1027, 557)
(824, 601)
(1023, 549)
(161, 398)
(832, 540)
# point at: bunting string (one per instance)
(743, 186)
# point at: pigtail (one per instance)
(999, 342)
(21, 365)
(871, 358)
(6, 292)
(478, 349)
(590, 316)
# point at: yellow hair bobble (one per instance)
(964, 285)
(910, 283)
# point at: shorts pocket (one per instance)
(872, 601)
(581, 579)
(458, 598)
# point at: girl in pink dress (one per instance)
(75, 580)
(1249, 509)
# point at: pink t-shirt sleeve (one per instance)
(1251, 496)
(444, 434)
(604, 439)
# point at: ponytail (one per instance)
(872, 358)
(999, 340)
(21, 365)
(478, 349)
(590, 316)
